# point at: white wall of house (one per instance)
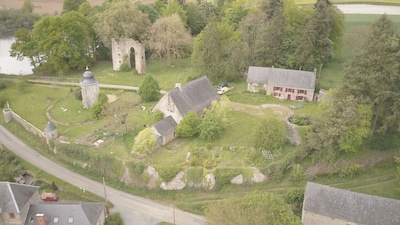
(286, 93)
(168, 108)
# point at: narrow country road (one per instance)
(134, 210)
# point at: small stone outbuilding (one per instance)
(50, 131)
(164, 130)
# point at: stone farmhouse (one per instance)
(193, 96)
(20, 205)
(282, 83)
(332, 206)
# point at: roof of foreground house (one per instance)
(66, 213)
(351, 206)
(194, 95)
(165, 126)
(281, 77)
(14, 196)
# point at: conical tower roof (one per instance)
(88, 77)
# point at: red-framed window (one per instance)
(299, 98)
(276, 94)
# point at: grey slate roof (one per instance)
(88, 78)
(81, 213)
(13, 196)
(165, 126)
(49, 127)
(281, 77)
(351, 206)
(194, 95)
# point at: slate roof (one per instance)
(13, 196)
(351, 206)
(88, 77)
(165, 126)
(49, 127)
(65, 213)
(194, 95)
(298, 79)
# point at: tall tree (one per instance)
(255, 209)
(373, 75)
(174, 7)
(235, 13)
(169, 39)
(250, 27)
(196, 20)
(150, 89)
(342, 126)
(220, 53)
(72, 5)
(215, 120)
(57, 44)
(316, 43)
(121, 19)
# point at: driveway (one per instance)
(134, 210)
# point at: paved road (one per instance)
(134, 210)
(369, 9)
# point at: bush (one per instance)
(350, 171)
(136, 167)
(78, 94)
(167, 173)
(223, 176)
(295, 198)
(194, 175)
(124, 67)
(300, 120)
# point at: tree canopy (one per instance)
(270, 134)
(72, 5)
(145, 142)
(121, 19)
(373, 75)
(168, 38)
(57, 44)
(150, 89)
(189, 126)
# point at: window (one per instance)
(277, 89)
(277, 94)
(289, 90)
(55, 220)
(70, 219)
(301, 92)
(300, 98)
(12, 216)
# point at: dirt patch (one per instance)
(111, 98)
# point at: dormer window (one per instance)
(70, 219)
(55, 220)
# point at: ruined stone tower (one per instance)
(121, 50)
(90, 89)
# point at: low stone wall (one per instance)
(28, 126)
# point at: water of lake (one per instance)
(10, 65)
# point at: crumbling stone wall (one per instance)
(121, 48)
(28, 126)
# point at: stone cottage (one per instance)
(193, 96)
(332, 206)
(282, 83)
(90, 89)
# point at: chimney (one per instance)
(40, 219)
(178, 85)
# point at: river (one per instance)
(10, 65)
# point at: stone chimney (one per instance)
(178, 85)
(40, 219)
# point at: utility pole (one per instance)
(105, 193)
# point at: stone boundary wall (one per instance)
(28, 126)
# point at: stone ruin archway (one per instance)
(121, 47)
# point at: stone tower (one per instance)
(50, 131)
(90, 89)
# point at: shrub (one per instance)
(223, 176)
(136, 167)
(194, 175)
(350, 171)
(295, 198)
(124, 67)
(300, 120)
(78, 94)
(167, 173)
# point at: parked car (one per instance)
(49, 197)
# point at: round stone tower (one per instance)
(50, 131)
(90, 89)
